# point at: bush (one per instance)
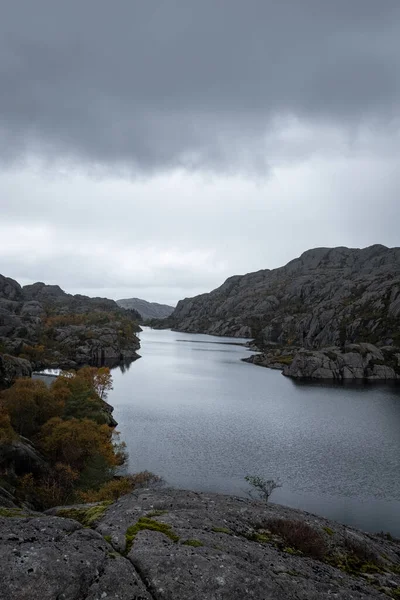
(79, 398)
(263, 488)
(360, 551)
(7, 433)
(75, 441)
(298, 535)
(115, 488)
(30, 403)
(53, 489)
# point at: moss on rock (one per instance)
(151, 525)
(85, 515)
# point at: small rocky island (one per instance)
(166, 544)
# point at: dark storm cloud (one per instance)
(158, 84)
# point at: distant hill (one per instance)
(147, 310)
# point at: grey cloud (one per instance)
(154, 85)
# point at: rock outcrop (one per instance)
(51, 328)
(147, 310)
(11, 368)
(356, 361)
(172, 544)
(326, 297)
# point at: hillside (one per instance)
(147, 310)
(50, 328)
(328, 297)
(315, 300)
(164, 544)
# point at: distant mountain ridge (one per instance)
(147, 310)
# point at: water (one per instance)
(192, 411)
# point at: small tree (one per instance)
(260, 487)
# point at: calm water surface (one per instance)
(191, 411)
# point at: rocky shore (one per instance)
(166, 544)
(361, 362)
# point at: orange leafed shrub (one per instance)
(75, 442)
(99, 379)
(7, 433)
(115, 488)
(53, 489)
(30, 404)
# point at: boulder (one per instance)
(20, 457)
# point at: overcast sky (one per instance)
(154, 148)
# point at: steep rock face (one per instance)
(173, 544)
(326, 297)
(11, 368)
(51, 328)
(147, 310)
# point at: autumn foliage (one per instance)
(67, 422)
(29, 404)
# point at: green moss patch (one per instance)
(85, 516)
(222, 530)
(193, 543)
(151, 525)
(12, 513)
(285, 360)
(261, 538)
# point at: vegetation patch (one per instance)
(357, 558)
(328, 530)
(85, 515)
(193, 543)
(257, 536)
(298, 536)
(12, 512)
(151, 525)
(285, 360)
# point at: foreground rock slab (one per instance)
(172, 544)
(52, 558)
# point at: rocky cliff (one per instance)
(177, 545)
(147, 310)
(50, 328)
(325, 298)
